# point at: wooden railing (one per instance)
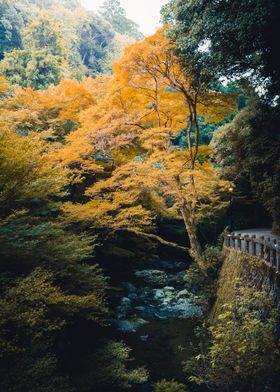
(263, 247)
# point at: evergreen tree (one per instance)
(114, 13)
(11, 22)
(42, 61)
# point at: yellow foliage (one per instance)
(28, 169)
(3, 85)
(124, 126)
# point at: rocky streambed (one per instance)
(156, 315)
(155, 294)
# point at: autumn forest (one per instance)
(125, 162)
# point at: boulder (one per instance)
(144, 311)
(168, 288)
(153, 278)
(184, 308)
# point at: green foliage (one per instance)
(49, 286)
(229, 38)
(32, 69)
(34, 310)
(37, 307)
(53, 307)
(168, 386)
(30, 230)
(114, 13)
(42, 61)
(214, 257)
(36, 55)
(114, 51)
(247, 151)
(11, 23)
(95, 35)
(205, 286)
(34, 239)
(45, 284)
(36, 370)
(43, 33)
(111, 372)
(240, 350)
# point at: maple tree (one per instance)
(3, 84)
(55, 109)
(133, 116)
(149, 101)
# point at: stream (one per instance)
(156, 316)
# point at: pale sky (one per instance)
(144, 12)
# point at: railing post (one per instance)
(262, 247)
(273, 253)
(278, 257)
(232, 239)
(227, 239)
(267, 251)
(266, 248)
(247, 243)
(239, 241)
(254, 247)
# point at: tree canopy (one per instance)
(229, 38)
(115, 14)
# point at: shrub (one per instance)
(168, 386)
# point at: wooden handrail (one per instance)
(266, 249)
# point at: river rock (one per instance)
(183, 293)
(176, 279)
(158, 294)
(132, 296)
(140, 309)
(153, 278)
(184, 308)
(168, 288)
(126, 302)
(123, 308)
(129, 326)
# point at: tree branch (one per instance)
(157, 238)
(136, 125)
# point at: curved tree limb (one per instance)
(157, 238)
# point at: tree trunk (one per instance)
(195, 247)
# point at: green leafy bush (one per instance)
(168, 386)
(242, 351)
